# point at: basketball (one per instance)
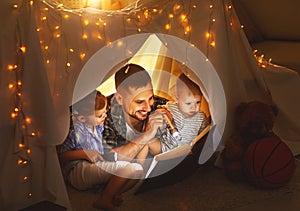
(269, 163)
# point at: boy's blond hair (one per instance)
(184, 82)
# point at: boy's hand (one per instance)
(93, 156)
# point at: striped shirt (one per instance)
(188, 127)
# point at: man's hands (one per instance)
(156, 120)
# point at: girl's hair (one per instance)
(184, 82)
(87, 105)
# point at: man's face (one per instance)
(137, 102)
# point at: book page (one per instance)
(173, 153)
(201, 134)
(178, 152)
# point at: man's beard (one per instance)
(134, 116)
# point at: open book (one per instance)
(165, 161)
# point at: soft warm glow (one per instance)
(28, 120)
(187, 29)
(171, 16)
(11, 67)
(68, 64)
(33, 134)
(13, 115)
(176, 7)
(25, 178)
(10, 86)
(84, 36)
(23, 49)
(21, 145)
(183, 17)
(82, 55)
(71, 50)
(213, 44)
(28, 151)
(120, 43)
(167, 26)
(19, 83)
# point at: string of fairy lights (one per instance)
(178, 15)
(51, 18)
(23, 131)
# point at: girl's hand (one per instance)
(93, 156)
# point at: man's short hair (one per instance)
(131, 75)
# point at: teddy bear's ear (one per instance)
(240, 108)
(275, 109)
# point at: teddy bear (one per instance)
(253, 120)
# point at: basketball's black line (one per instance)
(268, 157)
(286, 165)
(253, 158)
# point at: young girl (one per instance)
(86, 162)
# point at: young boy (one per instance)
(188, 118)
(84, 159)
(184, 114)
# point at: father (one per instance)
(132, 122)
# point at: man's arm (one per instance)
(129, 150)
